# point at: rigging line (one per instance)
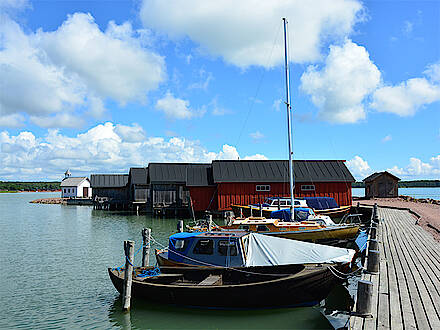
(258, 87)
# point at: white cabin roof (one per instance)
(73, 182)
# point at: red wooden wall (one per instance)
(245, 193)
(201, 198)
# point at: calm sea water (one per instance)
(54, 274)
(433, 193)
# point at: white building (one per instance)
(76, 187)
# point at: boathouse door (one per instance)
(85, 191)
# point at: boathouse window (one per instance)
(262, 228)
(263, 187)
(308, 187)
(204, 246)
(227, 248)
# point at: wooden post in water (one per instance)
(180, 226)
(128, 276)
(373, 262)
(209, 218)
(364, 298)
(146, 238)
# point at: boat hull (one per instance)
(246, 211)
(321, 236)
(245, 289)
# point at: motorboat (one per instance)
(326, 206)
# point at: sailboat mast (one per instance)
(289, 129)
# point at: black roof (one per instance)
(139, 175)
(374, 176)
(277, 171)
(191, 174)
(108, 180)
(199, 175)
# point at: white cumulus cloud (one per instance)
(46, 74)
(359, 167)
(340, 88)
(243, 32)
(417, 169)
(409, 96)
(105, 148)
(175, 108)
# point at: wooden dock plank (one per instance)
(404, 297)
(406, 292)
(396, 321)
(425, 243)
(383, 306)
(425, 312)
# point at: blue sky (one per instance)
(100, 86)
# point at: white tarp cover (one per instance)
(264, 250)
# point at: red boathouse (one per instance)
(246, 182)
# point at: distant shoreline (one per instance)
(26, 191)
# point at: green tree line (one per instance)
(28, 186)
(406, 184)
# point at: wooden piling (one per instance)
(180, 226)
(364, 298)
(373, 232)
(209, 218)
(146, 239)
(128, 276)
(373, 261)
(373, 244)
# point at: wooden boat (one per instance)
(309, 231)
(322, 206)
(237, 248)
(237, 269)
(232, 288)
(322, 231)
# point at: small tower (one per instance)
(67, 174)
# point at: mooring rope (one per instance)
(156, 270)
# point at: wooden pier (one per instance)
(406, 291)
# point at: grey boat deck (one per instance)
(407, 288)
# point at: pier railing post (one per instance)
(209, 218)
(128, 276)
(146, 239)
(364, 298)
(373, 262)
(373, 244)
(373, 232)
(180, 226)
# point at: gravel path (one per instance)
(429, 213)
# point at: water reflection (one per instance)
(147, 315)
(61, 254)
